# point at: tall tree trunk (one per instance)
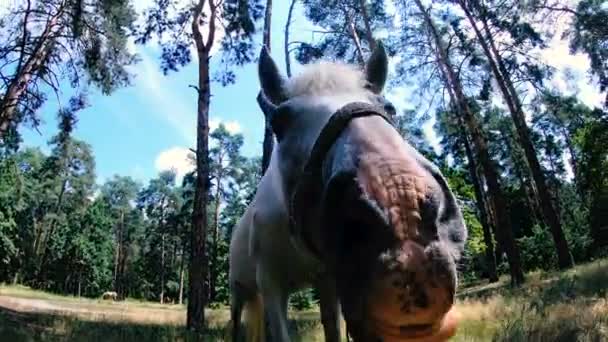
(162, 229)
(120, 258)
(198, 253)
(286, 42)
(524, 179)
(553, 168)
(355, 36)
(79, 282)
(214, 251)
(499, 204)
(181, 276)
(573, 157)
(118, 250)
(511, 97)
(26, 71)
(268, 136)
(369, 35)
(122, 264)
(162, 268)
(45, 238)
(486, 224)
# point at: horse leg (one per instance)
(330, 309)
(236, 308)
(275, 306)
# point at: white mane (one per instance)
(326, 77)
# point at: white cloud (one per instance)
(572, 69)
(6, 5)
(175, 158)
(232, 126)
(167, 102)
(95, 194)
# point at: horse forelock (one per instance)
(326, 78)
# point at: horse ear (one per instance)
(278, 121)
(271, 79)
(376, 69)
(267, 107)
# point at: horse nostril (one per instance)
(421, 300)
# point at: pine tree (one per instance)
(238, 18)
(43, 41)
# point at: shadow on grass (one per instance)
(29, 327)
(33, 327)
(568, 306)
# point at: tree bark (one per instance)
(486, 224)
(355, 37)
(162, 268)
(498, 202)
(573, 158)
(79, 282)
(119, 256)
(198, 253)
(286, 42)
(181, 277)
(215, 240)
(524, 179)
(502, 76)
(268, 135)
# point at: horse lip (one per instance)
(439, 330)
(406, 332)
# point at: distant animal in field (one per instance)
(109, 295)
(349, 207)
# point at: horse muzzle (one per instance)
(411, 296)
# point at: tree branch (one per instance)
(557, 9)
(212, 19)
(24, 37)
(196, 29)
(198, 90)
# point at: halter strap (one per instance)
(308, 188)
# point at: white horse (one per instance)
(346, 205)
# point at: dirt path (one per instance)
(114, 312)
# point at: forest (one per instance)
(524, 149)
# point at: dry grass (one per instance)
(570, 306)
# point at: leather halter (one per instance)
(308, 190)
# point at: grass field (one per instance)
(570, 306)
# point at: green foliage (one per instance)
(537, 250)
(475, 248)
(302, 300)
(167, 22)
(337, 40)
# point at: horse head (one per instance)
(373, 210)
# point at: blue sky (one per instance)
(145, 127)
(149, 126)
